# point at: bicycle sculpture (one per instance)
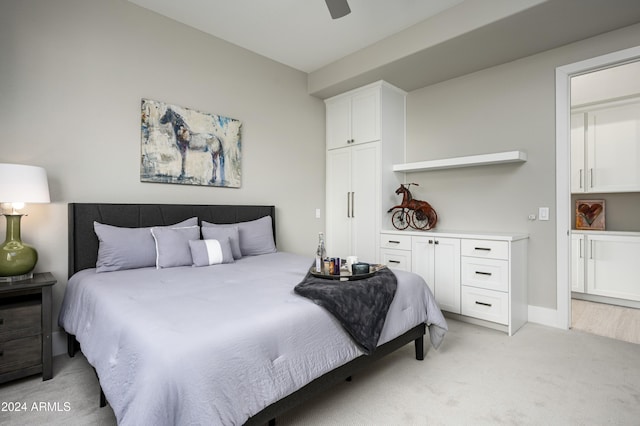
(412, 213)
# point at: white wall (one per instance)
(503, 108)
(72, 73)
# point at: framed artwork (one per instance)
(185, 146)
(590, 214)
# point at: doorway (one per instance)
(563, 167)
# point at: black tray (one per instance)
(345, 275)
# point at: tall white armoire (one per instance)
(365, 137)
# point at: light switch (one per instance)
(543, 213)
(317, 213)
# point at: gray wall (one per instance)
(503, 108)
(72, 73)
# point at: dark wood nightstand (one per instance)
(25, 328)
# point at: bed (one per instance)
(229, 343)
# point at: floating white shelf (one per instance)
(467, 161)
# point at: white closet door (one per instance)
(338, 198)
(365, 188)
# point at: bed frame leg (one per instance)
(103, 399)
(71, 345)
(419, 342)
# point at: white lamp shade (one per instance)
(23, 184)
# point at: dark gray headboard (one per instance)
(83, 242)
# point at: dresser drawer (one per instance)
(398, 259)
(489, 249)
(484, 304)
(20, 353)
(490, 274)
(394, 241)
(20, 320)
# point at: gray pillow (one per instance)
(211, 231)
(211, 252)
(256, 236)
(172, 245)
(127, 248)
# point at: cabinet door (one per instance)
(577, 262)
(447, 273)
(437, 261)
(365, 116)
(613, 149)
(338, 122)
(612, 266)
(338, 198)
(577, 152)
(365, 190)
(422, 260)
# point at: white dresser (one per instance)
(476, 277)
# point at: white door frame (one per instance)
(563, 167)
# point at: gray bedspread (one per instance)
(361, 306)
(216, 345)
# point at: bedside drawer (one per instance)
(398, 259)
(20, 320)
(485, 248)
(490, 274)
(485, 304)
(393, 241)
(20, 353)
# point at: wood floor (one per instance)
(612, 321)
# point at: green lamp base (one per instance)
(17, 259)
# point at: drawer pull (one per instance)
(394, 242)
(482, 248)
(483, 273)
(483, 303)
(394, 261)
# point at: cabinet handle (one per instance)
(580, 180)
(353, 204)
(580, 249)
(483, 304)
(483, 273)
(348, 206)
(482, 248)
(436, 242)
(591, 249)
(393, 242)
(591, 177)
(430, 241)
(394, 261)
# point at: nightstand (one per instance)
(25, 328)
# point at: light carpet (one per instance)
(539, 376)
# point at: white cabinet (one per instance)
(437, 260)
(395, 251)
(365, 136)
(577, 263)
(605, 148)
(478, 277)
(610, 265)
(353, 192)
(353, 118)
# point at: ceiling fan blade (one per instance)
(338, 8)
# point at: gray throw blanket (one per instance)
(361, 306)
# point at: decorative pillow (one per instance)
(211, 231)
(127, 248)
(256, 236)
(172, 245)
(211, 252)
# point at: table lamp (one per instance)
(19, 184)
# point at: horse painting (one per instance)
(187, 139)
(180, 145)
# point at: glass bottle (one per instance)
(321, 253)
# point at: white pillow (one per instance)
(211, 252)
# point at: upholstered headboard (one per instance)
(83, 242)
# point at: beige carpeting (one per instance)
(539, 376)
(617, 322)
